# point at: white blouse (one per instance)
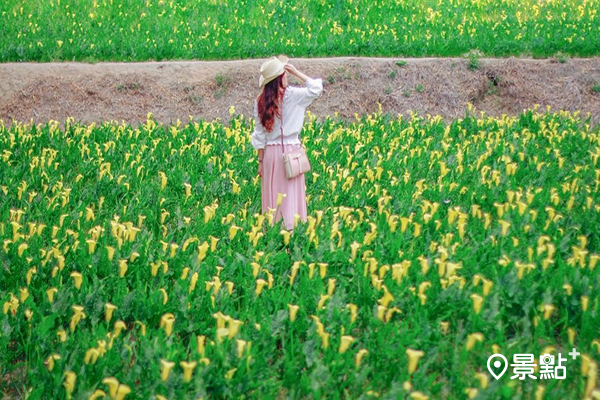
(295, 101)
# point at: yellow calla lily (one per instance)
(354, 248)
(483, 379)
(477, 302)
(49, 362)
(110, 252)
(241, 345)
(69, 383)
(353, 311)
(260, 284)
(165, 369)
(165, 295)
(345, 343)
(91, 245)
(21, 249)
(78, 315)
(163, 180)
(30, 273)
(413, 359)
(233, 327)
(230, 373)
(293, 309)
(444, 325)
(50, 293)
(584, 303)
(119, 326)
(324, 340)
(166, 322)
(77, 278)
(62, 335)
(122, 267)
(23, 294)
(201, 342)
(98, 393)
(487, 286)
(193, 282)
(202, 249)
(213, 243)
(387, 297)
(359, 357)
(233, 230)
(110, 308)
(472, 339)
(547, 309)
(188, 368)
(322, 300)
(91, 356)
(142, 327)
(116, 390)
(184, 273)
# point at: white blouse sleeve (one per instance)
(313, 89)
(259, 136)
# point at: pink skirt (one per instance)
(275, 181)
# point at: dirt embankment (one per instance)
(174, 90)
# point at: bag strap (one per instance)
(281, 126)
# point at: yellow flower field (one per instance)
(135, 263)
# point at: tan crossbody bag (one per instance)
(295, 163)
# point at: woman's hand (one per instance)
(260, 169)
(291, 69)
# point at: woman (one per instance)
(277, 98)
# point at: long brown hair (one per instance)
(268, 106)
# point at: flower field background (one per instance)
(128, 30)
(134, 261)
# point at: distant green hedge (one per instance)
(134, 30)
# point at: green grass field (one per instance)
(134, 262)
(136, 30)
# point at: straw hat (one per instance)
(271, 69)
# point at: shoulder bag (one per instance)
(296, 163)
